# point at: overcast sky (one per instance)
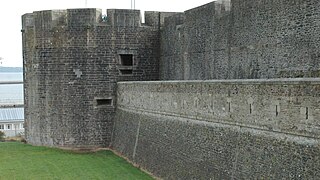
(11, 11)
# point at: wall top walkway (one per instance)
(237, 81)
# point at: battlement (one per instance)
(81, 17)
(27, 20)
(93, 17)
(123, 17)
(71, 17)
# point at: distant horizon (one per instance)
(4, 69)
(11, 66)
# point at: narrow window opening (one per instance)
(307, 113)
(101, 102)
(126, 71)
(126, 59)
(229, 106)
(126, 64)
(277, 112)
(250, 108)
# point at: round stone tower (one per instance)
(72, 61)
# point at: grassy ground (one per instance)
(21, 161)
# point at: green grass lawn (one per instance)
(22, 161)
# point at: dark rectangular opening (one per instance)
(126, 71)
(126, 59)
(101, 102)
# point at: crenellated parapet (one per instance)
(81, 18)
(124, 18)
(71, 17)
(27, 20)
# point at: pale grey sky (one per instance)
(11, 11)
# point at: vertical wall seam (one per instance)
(136, 142)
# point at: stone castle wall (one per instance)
(72, 61)
(250, 129)
(222, 129)
(242, 39)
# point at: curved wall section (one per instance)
(72, 61)
(220, 129)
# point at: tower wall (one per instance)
(72, 61)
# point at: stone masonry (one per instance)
(213, 128)
(72, 61)
(243, 39)
(221, 129)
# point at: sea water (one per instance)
(11, 93)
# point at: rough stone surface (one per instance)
(71, 59)
(221, 129)
(243, 39)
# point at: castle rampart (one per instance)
(236, 129)
(243, 39)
